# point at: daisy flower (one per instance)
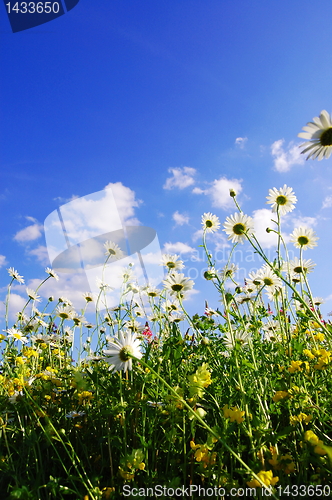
(16, 334)
(274, 293)
(75, 414)
(237, 225)
(134, 325)
(282, 199)
(304, 237)
(113, 250)
(52, 273)
(33, 295)
(316, 301)
(242, 336)
(255, 280)
(319, 135)
(152, 291)
(228, 271)
(14, 274)
(269, 278)
(121, 349)
(65, 301)
(176, 317)
(88, 296)
(243, 299)
(41, 339)
(210, 222)
(65, 312)
(171, 261)
(168, 306)
(270, 329)
(177, 283)
(295, 266)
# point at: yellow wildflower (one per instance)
(234, 414)
(84, 396)
(199, 380)
(308, 353)
(301, 417)
(315, 441)
(202, 454)
(266, 477)
(295, 367)
(279, 395)
(126, 475)
(20, 361)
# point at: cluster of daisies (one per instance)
(239, 226)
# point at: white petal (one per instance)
(325, 119)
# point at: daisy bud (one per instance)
(232, 193)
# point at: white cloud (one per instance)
(262, 220)
(198, 190)
(198, 235)
(126, 202)
(219, 192)
(241, 141)
(220, 241)
(285, 159)
(16, 304)
(304, 221)
(42, 255)
(29, 233)
(180, 219)
(182, 178)
(327, 203)
(2, 260)
(92, 215)
(71, 286)
(178, 248)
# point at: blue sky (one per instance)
(171, 103)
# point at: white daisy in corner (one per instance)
(319, 135)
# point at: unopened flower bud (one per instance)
(232, 193)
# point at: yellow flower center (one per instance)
(125, 353)
(208, 223)
(239, 228)
(303, 240)
(326, 137)
(177, 287)
(281, 200)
